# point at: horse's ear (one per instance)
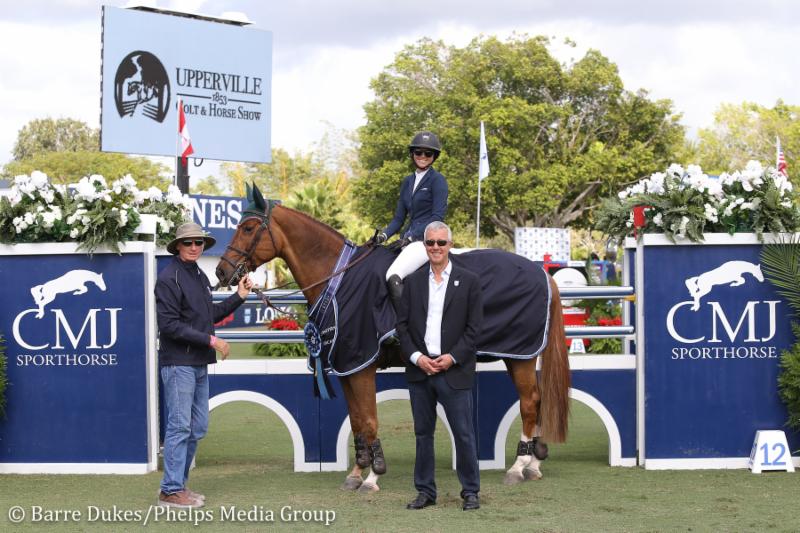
(258, 199)
(248, 192)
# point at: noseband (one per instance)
(245, 263)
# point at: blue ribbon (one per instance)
(318, 314)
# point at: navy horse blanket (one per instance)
(360, 316)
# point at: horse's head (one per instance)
(253, 244)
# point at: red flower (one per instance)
(609, 321)
(284, 324)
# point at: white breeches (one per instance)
(412, 257)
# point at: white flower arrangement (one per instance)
(687, 203)
(89, 211)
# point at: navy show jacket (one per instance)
(423, 206)
(186, 314)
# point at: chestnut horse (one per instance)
(311, 249)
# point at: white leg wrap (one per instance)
(520, 464)
(372, 479)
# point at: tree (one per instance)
(747, 131)
(67, 150)
(70, 167)
(559, 136)
(55, 135)
(277, 179)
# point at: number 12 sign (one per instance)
(770, 452)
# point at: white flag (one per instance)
(483, 167)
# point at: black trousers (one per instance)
(458, 407)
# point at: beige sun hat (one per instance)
(190, 230)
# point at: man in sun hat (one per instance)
(186, 317)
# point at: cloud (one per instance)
(57, 76)
(699, 54)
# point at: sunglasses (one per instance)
(423, 153)
(197, 242)
(441, 242)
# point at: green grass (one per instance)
(246, 461)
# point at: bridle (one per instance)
(245, 263)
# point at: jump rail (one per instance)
(289, 297)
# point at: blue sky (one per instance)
(697, 53)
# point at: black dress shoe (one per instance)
(421, 501)
(471, 502)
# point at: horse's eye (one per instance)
(248, 229)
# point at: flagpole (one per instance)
(483, 171)
(478, 218)
(177, 139)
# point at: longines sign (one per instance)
(220, 72)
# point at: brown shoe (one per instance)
(178, 499)
(196, 495)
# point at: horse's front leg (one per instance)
(530, 449)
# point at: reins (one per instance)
(242, 267)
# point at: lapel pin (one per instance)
(456, 282)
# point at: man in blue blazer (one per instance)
(439, 323)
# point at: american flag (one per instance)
(183, 131)
(780, 160)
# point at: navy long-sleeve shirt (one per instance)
(186, 314)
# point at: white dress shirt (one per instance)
(418, 175)
(433, 323)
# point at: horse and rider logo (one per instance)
(141, 87)
(730, 273)
(73, 282)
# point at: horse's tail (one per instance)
(555, 376)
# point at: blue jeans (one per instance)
(186, 404)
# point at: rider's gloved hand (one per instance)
(379, 238)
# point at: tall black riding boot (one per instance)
(395, 285)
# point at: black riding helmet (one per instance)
(425, 139)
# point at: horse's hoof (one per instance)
(351, 483)
(531, 474)
(513, 478)
(367, 488)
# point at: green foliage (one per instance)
(277, 179)
(602, 313)
(54, 135)
(558, 136)
(781, 265)
(69, 167)
(789, 380)
(3, 378)
(747, 131)
(316, 183)
(68, 149)
(269, 349)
